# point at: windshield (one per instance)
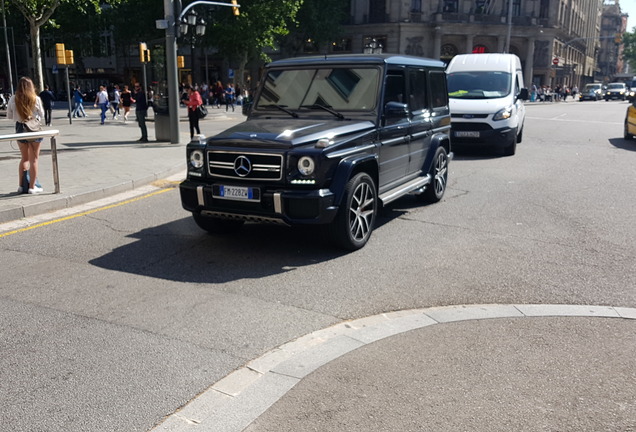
(616, 86)
(592, 87)
(337, 88)
(478, 85)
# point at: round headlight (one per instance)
(196, 159)
(306, 165)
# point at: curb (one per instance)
(235, 401)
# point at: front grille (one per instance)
(469, 116)
(461, 126)
(245, 165)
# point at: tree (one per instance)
(629, 49)
(260, 22)
(319, 23)
(38, 13)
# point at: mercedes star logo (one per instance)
(242, 166)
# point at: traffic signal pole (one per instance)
(171, 23)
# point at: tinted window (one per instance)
(439, 93)
(418, 97)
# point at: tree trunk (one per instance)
(38, 79)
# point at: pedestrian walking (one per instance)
(193, 103)
(126, 101)
(78, 98)
(141, 110)
(47, 97)
(23, 106)
(102, 100)
(218, 94)
(229, 97)
(115, 102)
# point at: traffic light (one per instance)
(235, 8)
(142, 50)
(147, 56)
(60, 53)
(180, 62)
(68, 54)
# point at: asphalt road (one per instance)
(113, 320)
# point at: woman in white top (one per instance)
(23, 105)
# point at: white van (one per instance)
(486, 100)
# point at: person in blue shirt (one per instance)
(78, 98)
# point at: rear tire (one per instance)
(353, 225)
(217, 225)
(439, 174)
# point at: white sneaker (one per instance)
(20, 189)
(36, 190)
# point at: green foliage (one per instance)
(258, 26)
(319, 21)
(629, 52)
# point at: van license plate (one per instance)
(464, 134)
(236, 193)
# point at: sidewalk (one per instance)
(96, 161)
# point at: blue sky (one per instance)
(629, 6)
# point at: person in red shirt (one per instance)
(193, 102)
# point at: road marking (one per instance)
(87, 212)
(235, 401)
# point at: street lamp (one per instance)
(171, 25)
(373, 47)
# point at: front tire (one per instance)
(216, 225)
(626, 133)
(353, 225)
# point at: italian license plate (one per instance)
(467, 134)
(240, 193)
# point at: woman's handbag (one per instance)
(33, 124)
(202, 111)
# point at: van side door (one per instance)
(393, 130)
(421, 121)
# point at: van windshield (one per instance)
(335, 88)
(479, 85)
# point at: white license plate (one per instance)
(237, 193)
(464, 134)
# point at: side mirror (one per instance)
(523, 94)
(394, 110)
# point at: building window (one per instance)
(374, 44)
(342, 45)
(416, 6)
(450, 6)
(544, 9)
(448, 51)
(516, 7)
(482, 7)
(377, 11)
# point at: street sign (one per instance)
(555, 61)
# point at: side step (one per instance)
(406, 188)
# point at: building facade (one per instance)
(556, 40)
(610, 58)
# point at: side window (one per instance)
(394, 87)
(439, 93)
(418, 100)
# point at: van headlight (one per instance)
(306, 165)
(504, 114)
(196, 159)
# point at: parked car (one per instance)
(630, 122)
(327, 141)
(591, 91)
(617, 90)
(487, 100)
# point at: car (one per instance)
(487, 100)
(591, 91)
(328, 140)
(630, 122)
(616, 91)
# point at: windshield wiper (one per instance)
(282, 108)
(325, 108)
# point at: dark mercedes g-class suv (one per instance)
(327, 141)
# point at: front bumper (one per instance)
(486, 135)
(276, 205)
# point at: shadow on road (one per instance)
(623, 143)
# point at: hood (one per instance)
(478, 106)
(290, 132)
